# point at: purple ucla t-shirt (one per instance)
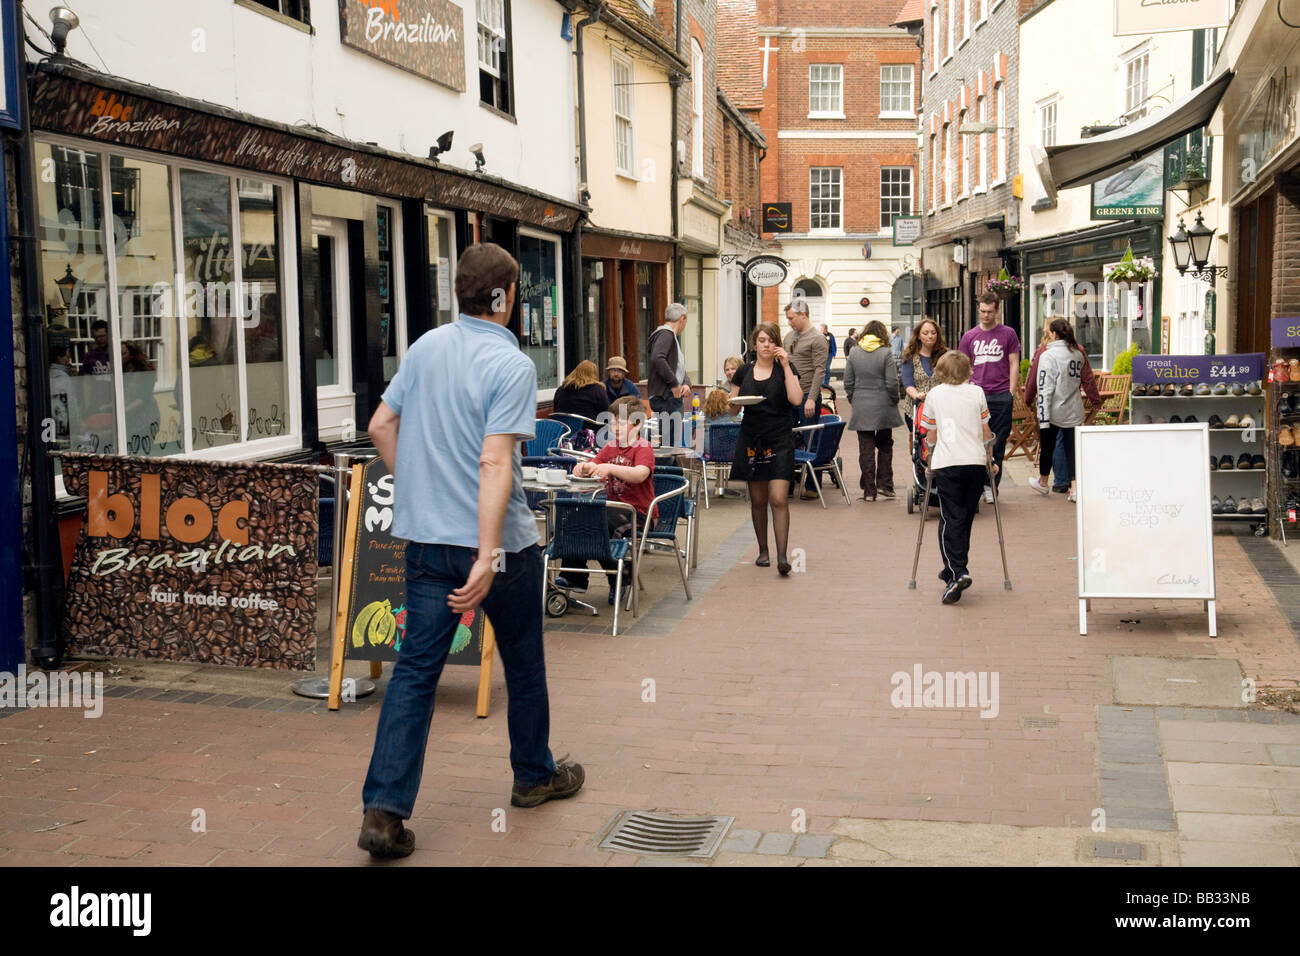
(989, 354)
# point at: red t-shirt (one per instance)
(639, 452)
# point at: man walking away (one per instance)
(994, 353)
(668, 383)
(449, 428)
(807, 350)
(830, 345)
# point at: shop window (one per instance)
(139, 366)
(1136, 67)
(826, 91)
(825, 197)
(392, 333)
(442, 260)
(540, 306)
(624, 130)
(299, 10)
(494, 62)
(895, 194)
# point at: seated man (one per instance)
(626, 465)
(617, 384)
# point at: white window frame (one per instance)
(838, 111)
(982, 161)
(934, 172)
(911, 194)
(949, 167)
(342, 392)
(1139, 53)
(493, 31)
(1000, 149)
(910, 112)
(984, 14)
(839, 200)
(547, 394)
(697, 109)
(1043, 108)
(952, 28)
(936, 21)
(291, 440)
(964, 147)
(618, 60)
(965, 22)
(450, 217)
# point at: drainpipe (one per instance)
(45, 574)
(592, 17)
(676, 82)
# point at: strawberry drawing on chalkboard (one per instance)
(399, 615)
(463, 634)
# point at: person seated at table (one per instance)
(626, 465)
(717, 408)
(617, 384)
(582, 393)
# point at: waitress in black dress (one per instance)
(765, 448)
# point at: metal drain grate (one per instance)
(1039, 723)
(660, 834)
(1110, 850)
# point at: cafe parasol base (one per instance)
(319, 687)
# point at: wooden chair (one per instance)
(1114, 397)
(1023, 439)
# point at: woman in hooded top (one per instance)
(871, 383)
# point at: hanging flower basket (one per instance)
(1130, 269)
(1004, 287)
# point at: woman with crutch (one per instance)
(765, 446)
(956, 419)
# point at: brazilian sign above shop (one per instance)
(1137, 192)
(420, 36)
(213, 562)
(139, 117)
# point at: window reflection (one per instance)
(538, 298)
(263, 302)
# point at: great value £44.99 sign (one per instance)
(1197, 369)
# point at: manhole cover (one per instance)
(1104, 850)
(660, 834)
(1039, 723)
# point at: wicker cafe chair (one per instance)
(1114, 391)
(582, 535)
(547, 435)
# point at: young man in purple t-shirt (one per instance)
(994, 353)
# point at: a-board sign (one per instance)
(376, 593)
(1144, 522)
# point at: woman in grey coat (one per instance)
(871, 383)
(1058, 404)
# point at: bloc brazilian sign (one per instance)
(211, 562)
(376, 616)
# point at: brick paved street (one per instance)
(772, 703)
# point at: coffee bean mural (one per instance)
(194, 561)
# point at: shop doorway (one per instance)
(329, 331)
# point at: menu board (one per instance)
(1144, 521)
(375, 619)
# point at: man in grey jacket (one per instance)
(668, 382)
(808, 357)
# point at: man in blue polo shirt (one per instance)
(449, 428)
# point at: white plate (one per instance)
(745, 400)
(585, 481)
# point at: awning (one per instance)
(1101, 156)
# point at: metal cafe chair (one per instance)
(582, 535)
(546, 436)
(667, 507)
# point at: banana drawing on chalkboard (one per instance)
(375, 625)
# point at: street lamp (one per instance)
(1200, 237)
(67, 284)
(1182, 248)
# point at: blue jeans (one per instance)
(1061, 473)
(513, 605)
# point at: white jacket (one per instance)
(1060, 378)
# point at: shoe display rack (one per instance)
(1239, 456)
(1284, 437)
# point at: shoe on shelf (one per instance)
(1221, 389)
(1232, 422)
(1147, 420)
(1187, 390)
(1254, 388)
(1214, 463)
(1237, 389)
(384, 836)
(1170, 390)
(1038, 486)
(1229, 505)
(1257, 506)
(1288, 465)
(1247, 421)
(1190, 420)
(1293, 370)
(1175, 420)
(1243, 507)
(1203, 389)
(1258, 463)
(1285, 436)
(1245, 462)
(988, 493)
(1139, 390)
(1216, 505)
(1215, 421)
(1226, 463)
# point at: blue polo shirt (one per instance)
(456, 385)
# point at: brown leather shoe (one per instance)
(809, 496)
(565, 782)
(384, 836)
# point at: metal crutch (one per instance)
(920, 531)
(997, 516)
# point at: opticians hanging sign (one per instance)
(1169, 16)
(420, 36)
(766, 271)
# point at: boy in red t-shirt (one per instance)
(626, 465)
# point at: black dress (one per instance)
(588, 402)
(765, 447)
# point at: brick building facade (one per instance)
(970, 183)
(839, 105)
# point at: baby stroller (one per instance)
(920, 460)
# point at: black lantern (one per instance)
(1182, 248)
(1200, 238)
(67, 286)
